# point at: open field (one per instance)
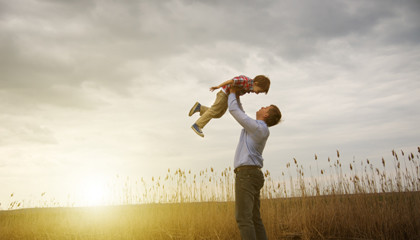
(366, 200)
(363, 216)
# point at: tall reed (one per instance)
(399, 174)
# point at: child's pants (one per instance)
(217, 110)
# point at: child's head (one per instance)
(261, 84)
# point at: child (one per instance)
(257, 85)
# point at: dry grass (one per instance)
(365, 216)
(374, 202)
(149, 221)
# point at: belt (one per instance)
(246, 167)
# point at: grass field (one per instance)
(372, 203)
(364, 216)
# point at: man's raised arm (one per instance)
(236, 110)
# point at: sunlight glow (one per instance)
(95, 191)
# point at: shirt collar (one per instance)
(263, 122)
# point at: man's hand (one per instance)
(234, 89)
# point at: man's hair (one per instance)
(263, 82)
(274, 116)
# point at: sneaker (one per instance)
(195, 108)
(197, 130)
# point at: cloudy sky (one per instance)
(94, 88)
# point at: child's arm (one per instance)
(222, 85)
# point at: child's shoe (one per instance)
(195, 108)
(197, 130)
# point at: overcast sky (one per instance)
(103, 87)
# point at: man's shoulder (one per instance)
(259, 131)
(262, 123)
(264, 127)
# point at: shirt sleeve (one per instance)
(238, 100)
(236, 110)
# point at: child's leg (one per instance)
(217, 110)
(203, 109)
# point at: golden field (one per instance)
(366, 216)
(334, 202)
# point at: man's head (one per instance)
(271, 115)
(261, 84)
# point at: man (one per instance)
(248, 162)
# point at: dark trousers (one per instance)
(248, 183)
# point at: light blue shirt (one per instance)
(254, 135)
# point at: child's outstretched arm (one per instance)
(221, 85)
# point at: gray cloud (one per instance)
(26, 133)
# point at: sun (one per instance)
(95, 191)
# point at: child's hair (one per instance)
(274, 116)
(262, 82)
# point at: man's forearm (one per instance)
(234, 90)
(233, 102)
(235, 109)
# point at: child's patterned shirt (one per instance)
(243, 82)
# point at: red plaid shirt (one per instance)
(244, 82)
